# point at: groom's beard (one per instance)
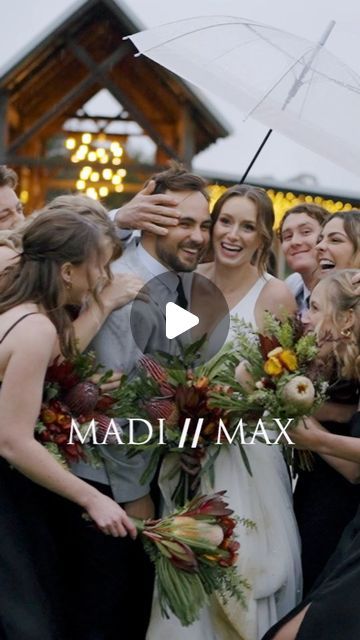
(175, 263)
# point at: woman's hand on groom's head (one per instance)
(149, 211)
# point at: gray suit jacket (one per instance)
(116, 349)
(114, 344)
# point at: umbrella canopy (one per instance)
(286, 82)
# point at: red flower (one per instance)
(209, 505)
(83, 398)
(62, 373)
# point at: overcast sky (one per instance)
(23, 20)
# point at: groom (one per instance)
(158, 259)
(126, 577)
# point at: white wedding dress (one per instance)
(269, 557)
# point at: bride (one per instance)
(270, 555)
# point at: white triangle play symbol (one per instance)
(178, 320)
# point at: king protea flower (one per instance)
(194, 551)
(299, 392)
(196, 531)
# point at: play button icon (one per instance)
(178, 320)
(159, 326)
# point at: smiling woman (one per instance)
(339, 242)
(242, 232)
(11, 212)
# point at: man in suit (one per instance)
(299, 231)
(124, 577)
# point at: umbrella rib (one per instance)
(350, 87)
(345, 85)
(275, 85)
(275, 46)
(247, 25)
(307, 92)
(238, 46)
(183, 35)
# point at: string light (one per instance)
(70, 143)
(86, 138)
(97, 149)
(283, 201)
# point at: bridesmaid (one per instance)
(317, 491)
(331, 608)
(62, 261)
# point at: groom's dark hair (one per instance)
(178, 178)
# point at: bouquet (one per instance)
(194, 551)
(177, 392)
(280, 376)
(70, 394)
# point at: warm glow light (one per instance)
(86, 138)
(107, 174)
(70, 143)
(283, 201)
(24, 196)
(85, 173)
(97, 149)
(92, 193)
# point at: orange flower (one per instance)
(48, 416)
(278, 359)
(289, 359)
(273, 366)
(202, 382)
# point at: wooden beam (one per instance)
(72, 95)
(124, 100)
(3, 126)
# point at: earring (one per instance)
(346, 333)
(68, 285)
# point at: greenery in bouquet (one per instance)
(195, 551)
(281, 376)
(69, 393)
(177, 390)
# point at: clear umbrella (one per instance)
(288, 83)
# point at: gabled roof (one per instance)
(51, 76)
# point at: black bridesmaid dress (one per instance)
(30, 593)
(27, 578)
(324, 501)
(334, 601)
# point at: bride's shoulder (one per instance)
(276, 293)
